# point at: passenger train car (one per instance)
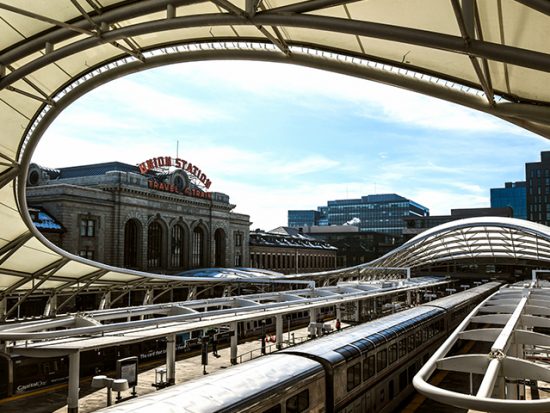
(365, 368)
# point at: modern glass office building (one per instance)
(537, 176)
(372, 213)
(302, 218)
(379, 213)
(513, 195)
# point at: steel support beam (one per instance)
(475, 48)
(542, 6)
(10, 248)
(90, 278)
(311, 5)
(8, 176)
(45, 19)
(465, 17)
(51, 306)
(40, 276)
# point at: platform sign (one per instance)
(127, 368)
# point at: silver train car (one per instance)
(369, 367)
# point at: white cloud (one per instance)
(311, 87)
(127, 101)
(472, 188)
(312, 163)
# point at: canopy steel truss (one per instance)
(518, 354)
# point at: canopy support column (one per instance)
(279, 331)
(234, 341)
(171, 359)
(74, 377)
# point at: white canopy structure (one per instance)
(493, 56)
(492, 239)
(513, 322)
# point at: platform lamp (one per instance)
(117, 385)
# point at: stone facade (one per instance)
(96, 209)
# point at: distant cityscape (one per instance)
(394, 214)
(162, 219)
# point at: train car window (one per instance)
(393, 353)
(418, 338)
(354, 376)
(403, 348)
(274, 409)
(298, 403)
(391, 390)
(381, 360)
(402, 380)
(410, 341)
(368, 368)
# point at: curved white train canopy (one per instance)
(492, 56)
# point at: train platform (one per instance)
(54, 399)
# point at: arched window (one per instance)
(132, 243)
(154, 245)
(177, 253)
(198, 257)
(219, 242)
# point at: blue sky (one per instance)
(276, 137)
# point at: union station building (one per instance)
(158, 216)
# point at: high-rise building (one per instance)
(323, 215)
(301, 218)
(537, 177)
(513, 195)
(372, 213)
(375, 213)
